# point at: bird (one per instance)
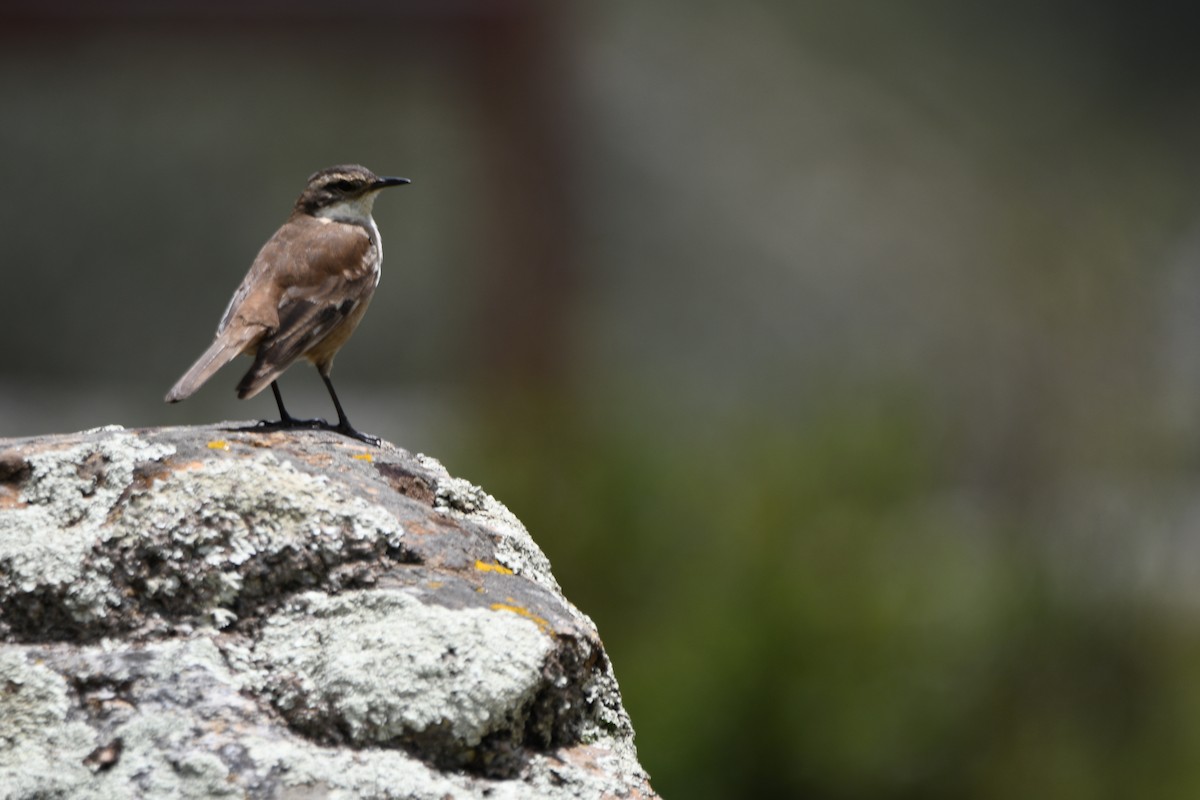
(304, 295)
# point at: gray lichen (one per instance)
(215, 613)
(342, 669)
(515, 549)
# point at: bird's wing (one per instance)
(279, 265)
(322, 273)
(252, 312)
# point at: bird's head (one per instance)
(345, 192)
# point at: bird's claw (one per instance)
(292, 424)
(353, 433)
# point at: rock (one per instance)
(219, 612)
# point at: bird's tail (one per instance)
(258, 378)
(224, 349)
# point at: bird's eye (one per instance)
(343, 186)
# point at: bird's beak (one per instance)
(383, 183)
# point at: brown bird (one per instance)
(304, 294)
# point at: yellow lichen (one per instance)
(483, 566)
(541, 622)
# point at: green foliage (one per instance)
(809, 607)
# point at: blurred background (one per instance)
(843, 357)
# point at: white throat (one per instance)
(355, 210)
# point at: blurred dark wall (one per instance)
(843, 357)
(157, 150)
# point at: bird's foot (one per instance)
(315, 424)
(346, 429)
(290, 424)
(293, 424)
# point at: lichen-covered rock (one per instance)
(222, 612)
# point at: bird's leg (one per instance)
(284, 416)
(344, 427)
(286, 420)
